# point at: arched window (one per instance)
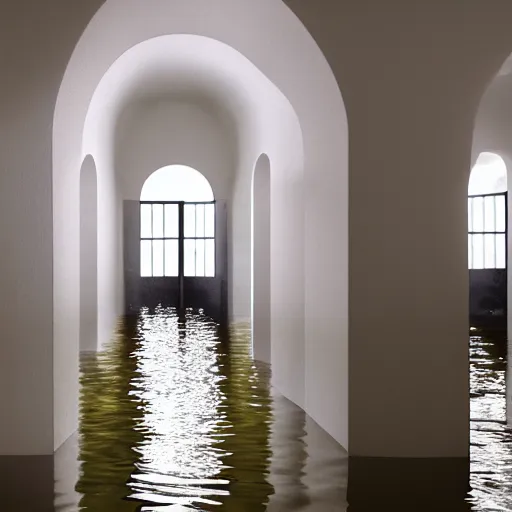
(488, 176)
(177, 220)
(487, 213)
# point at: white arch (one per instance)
(490, 174)
(177, 183)
(312, 326)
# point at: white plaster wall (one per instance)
(158, 132)
(284, 147)
(99, 141)
(95, 139)
(266, 122)
(177, 129)
(277, 133)
(34, 55)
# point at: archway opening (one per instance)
(177, 224)
(487, 242)
(487, 263)
(88, 256)
(261, 277)
(177, 183)
(170, 242)
(271, 107)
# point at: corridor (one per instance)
(176, 416)
(335, 237)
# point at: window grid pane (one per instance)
(200, 220)
(501, 214)
(158, 221)
(172, 221)
(209, 222)
(501, 251)
(487, 224)
(489, 214)
(478, 214)
(189, 220)
(160, 240)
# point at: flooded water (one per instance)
(491, 440)
(175, 418)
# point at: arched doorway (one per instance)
(261, 281)
(487, 242)
(172, 253)
(487, 263)
(88, 256)
(276, 109)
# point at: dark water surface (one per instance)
(491, 439)
(175, 416)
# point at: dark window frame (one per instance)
(472, 232)
(181, 236)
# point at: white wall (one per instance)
(88, 256)
(175, 129)
(261, 254)
(99, 141)
(159, 132)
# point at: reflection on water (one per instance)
(174, 417)
(491, 440)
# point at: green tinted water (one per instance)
(176, 416)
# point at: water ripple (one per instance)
(176, 416)
(491, 439)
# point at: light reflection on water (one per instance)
(175, 417)
(491, 440)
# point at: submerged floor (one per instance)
(491, 438)
(174, 418)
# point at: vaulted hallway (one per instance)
(315, 159)
(175, 413)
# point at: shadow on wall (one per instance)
(88, 256)
(261, 277)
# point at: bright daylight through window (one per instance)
(172, 197)
(487, 213)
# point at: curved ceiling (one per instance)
(182, 65)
